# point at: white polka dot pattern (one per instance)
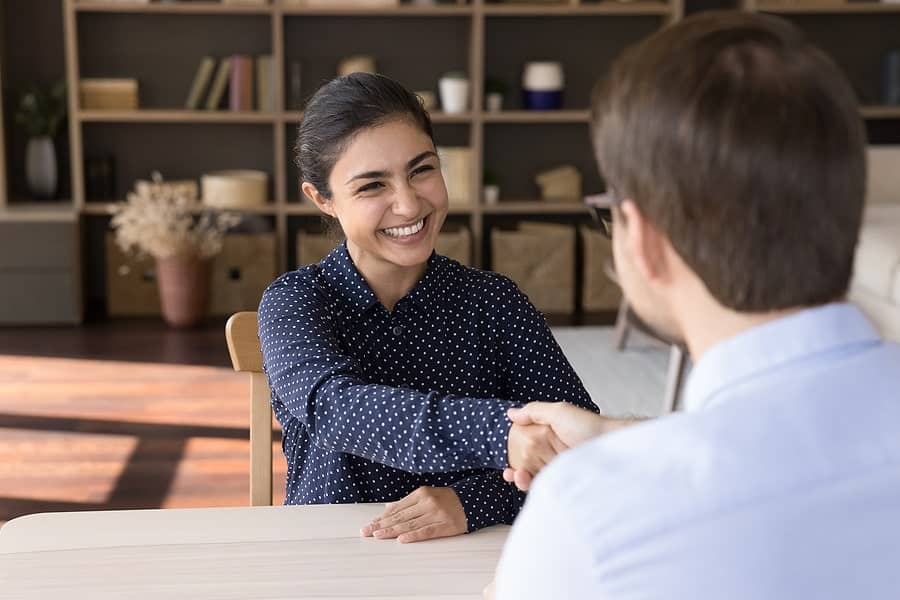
(374, 404)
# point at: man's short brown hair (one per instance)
(744, 144)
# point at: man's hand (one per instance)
(425, 514)
(570, 424)
(532, 446)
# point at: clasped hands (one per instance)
(541, 430)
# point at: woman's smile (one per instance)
(408, 233)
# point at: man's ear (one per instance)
(645, 242)
(323, 203)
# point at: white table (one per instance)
(259, 552)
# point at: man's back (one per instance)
(782, 479)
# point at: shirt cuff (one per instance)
(488, 500)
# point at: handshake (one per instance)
(541, 430)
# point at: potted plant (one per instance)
(41, 112)
(454, 92)
(168, 222)
(494, 91)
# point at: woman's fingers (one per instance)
(428, 532)
(391, 512)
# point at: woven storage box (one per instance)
(456, 245)
(540, 258)
(241, 272)
(597, 291)
(131, 289)
(562, 184)
(313, 247)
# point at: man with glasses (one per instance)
(735, 152)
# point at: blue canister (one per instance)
(542, 86)
(892, 77)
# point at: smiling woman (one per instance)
(391, 367)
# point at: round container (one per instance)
(542, 86)
(454, 94)
(234, 189)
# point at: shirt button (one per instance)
(398, 331)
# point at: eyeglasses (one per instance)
(600, 208)
(602, 219)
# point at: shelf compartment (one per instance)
(175, 116)
(538, 116)
(623, 9)
(182, 8)
(825, 8)
(880, 112)
(399, 11)
(534, 207)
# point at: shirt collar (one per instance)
(773, 345)
(346, 279)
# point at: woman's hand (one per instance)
(425, 514)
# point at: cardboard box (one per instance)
(540, 258)
(456, 245)
(598, 293)
(313, 247)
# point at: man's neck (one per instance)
(704, 322)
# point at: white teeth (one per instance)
(405, 231)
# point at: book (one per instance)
(217, 90)
(241, 83)
(265, 83)
(201, 82)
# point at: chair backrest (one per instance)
(242, 335)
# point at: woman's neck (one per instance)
(388, 281)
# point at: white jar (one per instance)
(543, 76)
(454, 94)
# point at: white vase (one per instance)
(40, 167)
(454, 94)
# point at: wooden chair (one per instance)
(242, 335)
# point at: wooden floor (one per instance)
(130, 414)
(124, 415)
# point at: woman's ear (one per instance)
(323, 203)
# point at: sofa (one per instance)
(875, 286)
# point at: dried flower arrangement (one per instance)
(167, 220)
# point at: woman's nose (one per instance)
(406, 202)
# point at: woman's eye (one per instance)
(422, 169)
(370, 187)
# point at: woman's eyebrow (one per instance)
(378, 174)
(420, 158)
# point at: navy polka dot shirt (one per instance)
(374, 404)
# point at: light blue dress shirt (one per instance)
(780, 480)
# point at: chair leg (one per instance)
(622, 326)
(677, 365)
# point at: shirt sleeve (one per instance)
(488, 500)
(325, 389)
(532, 363)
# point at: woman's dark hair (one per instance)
(339, 110)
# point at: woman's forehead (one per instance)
(390, 144)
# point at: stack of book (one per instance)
(248, 81)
